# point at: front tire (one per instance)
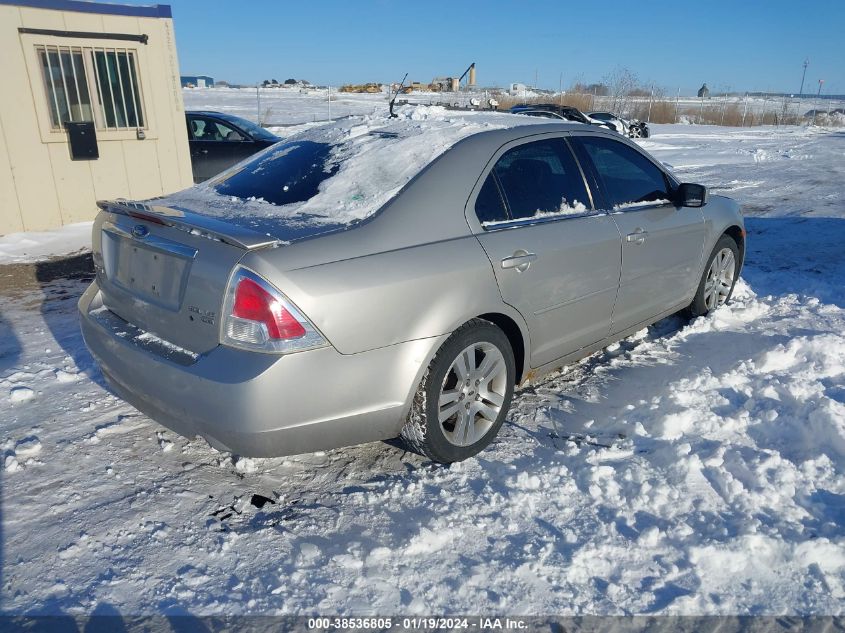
(464, 396)
(635, 131)
(719, 278)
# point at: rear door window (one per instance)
(541, 179)
(629, 179)
(489, 206)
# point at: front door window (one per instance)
(629, 178)
(537, 180)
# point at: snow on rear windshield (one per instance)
(290, 173)
(338, 173)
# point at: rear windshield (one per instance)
(290, 172)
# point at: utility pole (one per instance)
(804, 74)
(258, 103)
(560, 88)
(745, 110)
(816, 106)
(677, 103)
(650, 99)
(329, 100)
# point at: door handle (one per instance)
(520, 260)
(637, 237)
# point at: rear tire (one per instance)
(719, 278)
(464, 396)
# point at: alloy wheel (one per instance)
(472, 393)
(720, 279)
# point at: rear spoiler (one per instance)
(190, 222)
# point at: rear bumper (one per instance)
(261, 405)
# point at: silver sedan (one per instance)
(375, 279)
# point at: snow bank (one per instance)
(829, 119)
(36, 246)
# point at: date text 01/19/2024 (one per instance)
(416, 623)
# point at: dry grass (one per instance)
(583, 102)
(736, 115)
(665, 110)
(662, 111)
(716, 114)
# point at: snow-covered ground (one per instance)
(37, 246)
(287, 106)
(693, 468)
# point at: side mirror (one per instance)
(692, 195)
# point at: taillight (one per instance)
(259, 317)
(254, 303)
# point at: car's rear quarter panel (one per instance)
(390, 297)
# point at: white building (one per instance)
(518, 90)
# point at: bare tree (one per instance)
(620, 83)
(577, 84)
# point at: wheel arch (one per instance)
(516, 337)
(737, 233)
(502, 316)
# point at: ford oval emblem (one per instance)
(140, 231)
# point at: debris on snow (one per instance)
(20, 394)
(28, 446)
(259, 501)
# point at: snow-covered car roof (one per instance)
(341, 172)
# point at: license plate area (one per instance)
(154, 269)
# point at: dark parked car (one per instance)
(554, 111)
(219, 140)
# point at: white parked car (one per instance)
(632, 128)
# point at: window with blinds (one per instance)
(92, 84)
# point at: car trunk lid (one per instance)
(165, 270)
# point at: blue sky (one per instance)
(741, 45)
